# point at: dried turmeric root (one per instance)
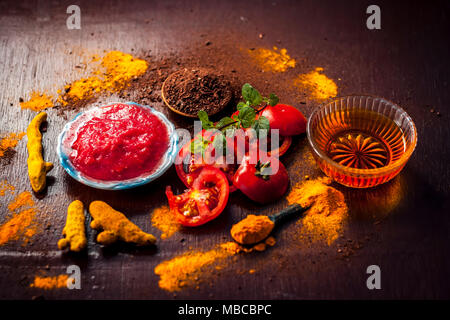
(116, 226)
(37, 167)
(75, 235)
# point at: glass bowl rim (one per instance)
(378, 171)
(169, 155)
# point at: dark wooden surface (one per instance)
(406, 62)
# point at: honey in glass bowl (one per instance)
(361, 141)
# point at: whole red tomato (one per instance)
(289, 120)
(257, 181)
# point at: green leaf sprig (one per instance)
(246, 118)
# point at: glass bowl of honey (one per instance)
(361, 141)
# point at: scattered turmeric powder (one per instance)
(5, 186)
(116, 226)
(10, 142)
(252, 229)
(37, 167)
(113, 74)
(325, 219)
(186, 269)
(318, 84)
(37, 102)
(74, 232)
(272, 59)
(49, 283)
(23, 199)
(163, 219)
(21, 225)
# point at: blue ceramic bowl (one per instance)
(165, 163)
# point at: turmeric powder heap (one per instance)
(37, 167)
(37, 102)
(252, 229)
(115, 72)
(10, 142)
(116, 226)
(272, 59)
(21, 225)
(49, 283)
(74, 232)
(318, 84)
(328, 212)
(162, 218)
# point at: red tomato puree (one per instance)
(119, 142)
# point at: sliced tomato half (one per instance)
(204, 201)
(188, 166)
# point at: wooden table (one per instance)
(402, 226)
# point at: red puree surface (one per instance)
(120, 142)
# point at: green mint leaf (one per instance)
(261, 126)
(206, 123)
(199, 145)
(224, 122)
(273, 99)
(251, 95)
(220, 143)
(241, 104)
(247, 116)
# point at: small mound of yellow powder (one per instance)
(272, 59)
(164, 220)
(49, 283)
(37, 102)
(328, 212)
(318, 84)
(10, 142)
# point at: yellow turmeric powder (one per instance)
(5, 186)
(10, 142)
(37, 102)
(115, 72)
(328, 212)
(163, 219)
(318, 84)
(185, 270)
(272, 59)
(23, 199)
(74, 232)
(116, 226)
(252, 229)
(21, 225)
(49, 283)
(37, 167)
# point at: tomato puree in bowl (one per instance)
(117, 142)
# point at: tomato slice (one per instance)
(188, 166)
(204, 201)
